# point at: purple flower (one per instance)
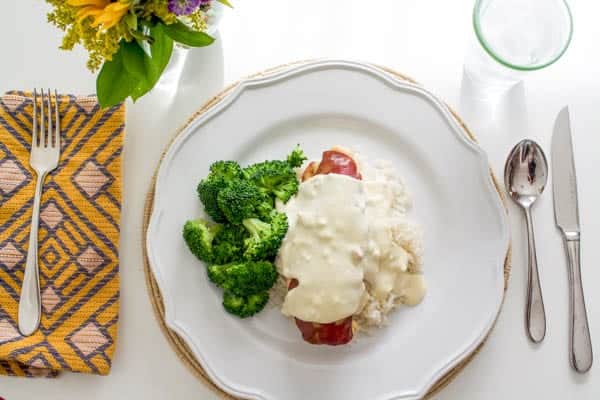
(185, 7)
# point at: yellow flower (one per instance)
(106, 14)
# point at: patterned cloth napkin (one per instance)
(78, 238)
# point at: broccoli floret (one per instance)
(245, 306)
(250, 170)
(278, 181)
(241, 199)
(244, 278)
(265, 210)
(242, 243)
(275, 165)
(221, 172)
(227, 170)
(296, 157)
(208, 190)
(274, 178)
(228, 244)
(199, 235)
(265, 237)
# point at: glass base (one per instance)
(488, 76)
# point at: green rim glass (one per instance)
(488, 48)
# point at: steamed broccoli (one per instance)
(244, 278)
(265, 237)
(227, 170)
(296, 157)
(241, 199)
(228, 245)
(199, 235)
(245, 306)
(240, 245)
(221, 172)
(274, 178)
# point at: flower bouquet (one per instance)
(131, 41)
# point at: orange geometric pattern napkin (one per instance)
(78, 238)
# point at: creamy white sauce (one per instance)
(326, 209)
(393, 261)
(351, 248)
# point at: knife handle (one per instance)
(581, 343)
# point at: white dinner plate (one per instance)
(359, 106)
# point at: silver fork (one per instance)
(45, 152)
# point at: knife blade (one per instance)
(564, 180)
(566, 213)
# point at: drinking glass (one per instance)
(515, 36)
(511, 38)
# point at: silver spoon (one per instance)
(525, 176)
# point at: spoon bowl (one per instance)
(525, 177)
(526, 173)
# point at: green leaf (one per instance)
(181, 33)
(154, 63)
(131, 21)
(226, 2)
(140, 37)
(114, 83)
(133, 59)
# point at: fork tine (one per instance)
(49, 138)
(34, 132)
(42, 124)
(57, 118)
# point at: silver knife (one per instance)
(566, 212)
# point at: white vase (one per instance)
(215, 15)
(187, 64)
(192, 76)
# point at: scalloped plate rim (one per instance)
(273, 78)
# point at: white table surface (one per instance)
(424, 39)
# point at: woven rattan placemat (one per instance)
(181, 348)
